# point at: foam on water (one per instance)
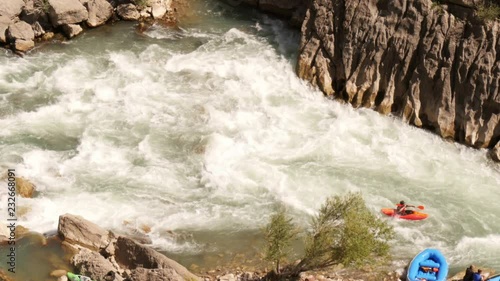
(207, 129)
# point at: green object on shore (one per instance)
(76, 277)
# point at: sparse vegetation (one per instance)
(141, 3)
(279, 234)
(343, 232)
(488, 12)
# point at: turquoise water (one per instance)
(198, 133)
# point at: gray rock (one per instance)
(408, 59)
(143, 274)
(131, 254)
(495, 152)
(77, 230)
(38, 29)
(92, 264)
(67, 12)
(100, 11)
(4, 24)
(128, 12)
(21, 30)
(11, 8)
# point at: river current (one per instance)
(196, 134)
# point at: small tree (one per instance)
(279, 234)
(346, 232)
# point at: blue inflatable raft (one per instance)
(428, 265)
(494, 278)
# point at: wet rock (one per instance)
(92, 264)
(77, 230)
(143, 274)
(495, 152)
(100, 11)
(21, 231)
(24, 187)
(132, 255)
(23, 45)
(67, 12)
(11, 8)
(4, 276)
(72, 30)
(128, 12)
(58, 273)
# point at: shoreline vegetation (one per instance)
(92, 251)
(344, 242)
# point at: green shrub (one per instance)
(279, 234)
(345, 232)
(488, 12)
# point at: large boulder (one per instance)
(11, 8)
(21, 35)
(92, 264)
(128, 12)
(22, 30)
(131, 254)
(67, 12)
(77, 230)
(100, 11)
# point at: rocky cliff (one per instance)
(435, 64)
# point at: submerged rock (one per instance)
(25, 188)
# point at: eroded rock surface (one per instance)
(409, 58)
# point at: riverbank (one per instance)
(82, 247)
(25, 23)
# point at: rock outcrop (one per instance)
(43, 18)
(96, 253)
(411, 58)
(79, 231)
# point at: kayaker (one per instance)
(469, 274)
(401, 208)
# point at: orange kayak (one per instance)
(413, 216)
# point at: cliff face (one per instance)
(435, 66)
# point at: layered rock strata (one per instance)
(436, 66)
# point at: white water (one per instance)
(207, 129)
